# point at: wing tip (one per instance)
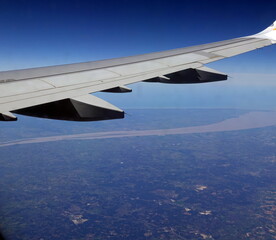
(268, 33)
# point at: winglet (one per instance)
(268, 33)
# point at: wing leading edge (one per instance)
(63, 92)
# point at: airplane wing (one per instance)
(63, 92)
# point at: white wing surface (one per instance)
(63, 92)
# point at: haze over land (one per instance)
(246, 121)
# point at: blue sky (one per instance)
(41, 33)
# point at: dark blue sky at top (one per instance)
(52, 32)
(41, 33)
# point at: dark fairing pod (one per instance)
(74, 110)
(191, 75)
(7, 117)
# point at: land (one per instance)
(212, 185)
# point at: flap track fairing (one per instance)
(191, 75)
(84, 108)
